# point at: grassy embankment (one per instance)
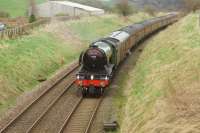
(15, 7)
(162, 93)
(24, 60)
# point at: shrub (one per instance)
(4, 14)
(192, 5)
(124, 9)
(150, 10)
(32, 18)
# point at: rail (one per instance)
(80, 117)
(41, 96)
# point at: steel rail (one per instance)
(93, 115)
(37, 99)
(50, 106)
(70, 115)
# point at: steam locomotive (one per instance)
(99, 62)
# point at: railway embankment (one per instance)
(161, 92)
(26, 61)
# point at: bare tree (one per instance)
(192, 5)
(32, 10)
(32, 7)
(124, 8)
(150, 10)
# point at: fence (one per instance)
(65, 18)
(21, 30)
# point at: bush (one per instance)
(124, 9)
(32, 18)
(192, 5)
(4, 14)
(150, 10)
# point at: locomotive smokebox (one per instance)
(94, 59)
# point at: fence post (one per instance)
(199, 17)
(1, 34)
(22, 29)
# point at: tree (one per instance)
(150, 10)
(4, 14)
(124, 8)
(192, 5)
(32, 18)
(32, 7)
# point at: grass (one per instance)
(24, 60)
(163, 88)
(100, 26)
(16, 8)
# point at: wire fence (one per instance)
(21, 30)
(24, 29)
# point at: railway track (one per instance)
(54, 116)
(37, 109)
(58, 110)
(81, 118)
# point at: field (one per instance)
(98, 27)
(18, 8)
(161, 93)
(25, 60)
(15, 7)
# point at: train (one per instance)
(101, 59)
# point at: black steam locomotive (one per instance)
(102, 57)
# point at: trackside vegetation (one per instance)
(98, 27)
(25, 60)
(161, 93)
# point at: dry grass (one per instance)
(164, 89)
(64, 34)
(3, 46)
